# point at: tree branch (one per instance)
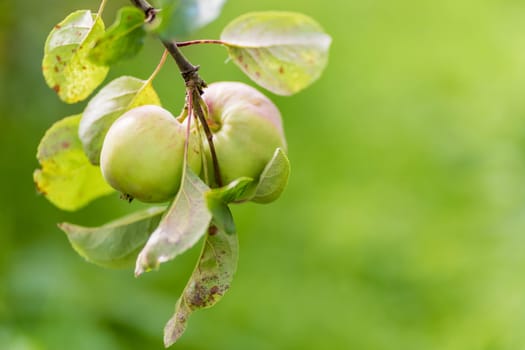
(194, 83)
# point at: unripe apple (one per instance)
(246, 127)
(143, 154)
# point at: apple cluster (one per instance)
(143, 151)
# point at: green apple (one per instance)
(247, 129)
(143, 154)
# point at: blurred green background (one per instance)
(403, 226)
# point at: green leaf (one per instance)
(232, 192)
(182, 17)
(184, 224)
(116, 244)
(113, 100)
(218, 199)
(222, 217)
(283, 52)
(67, 178)
(66, 66)
(123, 40)
(210, 280)
(273, 179)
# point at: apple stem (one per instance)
(209, 136)
(188, 131)
(194, 83)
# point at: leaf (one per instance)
(123, 40)
(283, 52)
(113, 100)
(222, 217)
(210, 280)
(273, 179)
(66, 66)
(230, 193)
(218, 199)
(67, 179)
(184, 224)
(182, 17)
(116, 244)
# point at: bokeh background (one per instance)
(403, 225)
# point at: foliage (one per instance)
(66, 59)
(283, 52)
(67, 178)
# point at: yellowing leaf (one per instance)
(66, 178)
(66, 66)
(283, 52)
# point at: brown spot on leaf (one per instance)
(65, 144)
(59, 59)
(258, 74)
(198, 296)
(56, 88)
(58, 26)
(240, 58)
(245, 66)
(84, 67)
(214, 290)
(281, 70)
(212, 230)
(56, 69)
(39, 189)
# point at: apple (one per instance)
(143, 154)
(246, 127)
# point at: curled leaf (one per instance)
(218, 199)
(116, 244)
(283, 52)
(66, 66)
(273, 179)
(113, 100)
(183, 225)
(210, 280)
(67, 178)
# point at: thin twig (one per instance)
(201, 41)
(159, 66)
(101, 8)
